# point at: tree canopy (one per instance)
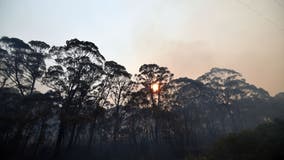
(95, 109)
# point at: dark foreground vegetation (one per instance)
(95, 109)
(264, 142)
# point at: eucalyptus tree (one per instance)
(230, 86)
(3, 76)
(217, 79)
(13, 62)
(231, 89)
(121, 85)
(198, 111)
(35, 63)
(78, 71)
(22, 64)
(149, 75)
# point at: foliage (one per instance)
(95, 109)
(264, 142)
(21, 63)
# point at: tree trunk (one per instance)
(72, 136)
(19, 85)
(33, 86)
(18, 137)
(91, 134)
(77, 135)
(59, 138)
(4, 82)
(116, 125)
(156, 130)
(26, 140)
(40, 138)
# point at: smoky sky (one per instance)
(188, 36)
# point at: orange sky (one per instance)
(247, 37)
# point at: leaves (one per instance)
(21, 63)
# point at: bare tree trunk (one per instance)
(72, 135)
(33, 86)
(18, 137)
(59, 138)
(40, 138)
(4, 82)
(116, 125)
(26, 140)
(91, 133)
(77, 134)
(19, 85)
(156, 130)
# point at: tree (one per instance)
(150, 74)
(231, 89)
(153, 74)
(264, 142)
(22, 64)
(13, 62)
(79, 68)
(35, 63)
(121, 84)
(3, 76)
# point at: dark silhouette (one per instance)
(95, 109)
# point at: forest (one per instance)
(69, 102)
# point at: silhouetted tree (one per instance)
(121, 85)
(3, 76)
(231, 88)
(93, 103)
(150, 74)
(13, 62)
(264, 142)
(22, 64)
(79, 67)
(35, 63)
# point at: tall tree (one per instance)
(3, 76)
(230, 88)
(149, 75)
(78, 70)
(35, 63)
(12, 62)
(121, 85)
(21, 63)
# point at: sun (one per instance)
(155, 87)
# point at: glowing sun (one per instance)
(155, 87)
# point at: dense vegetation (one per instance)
(264, 142)
(94, 108)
